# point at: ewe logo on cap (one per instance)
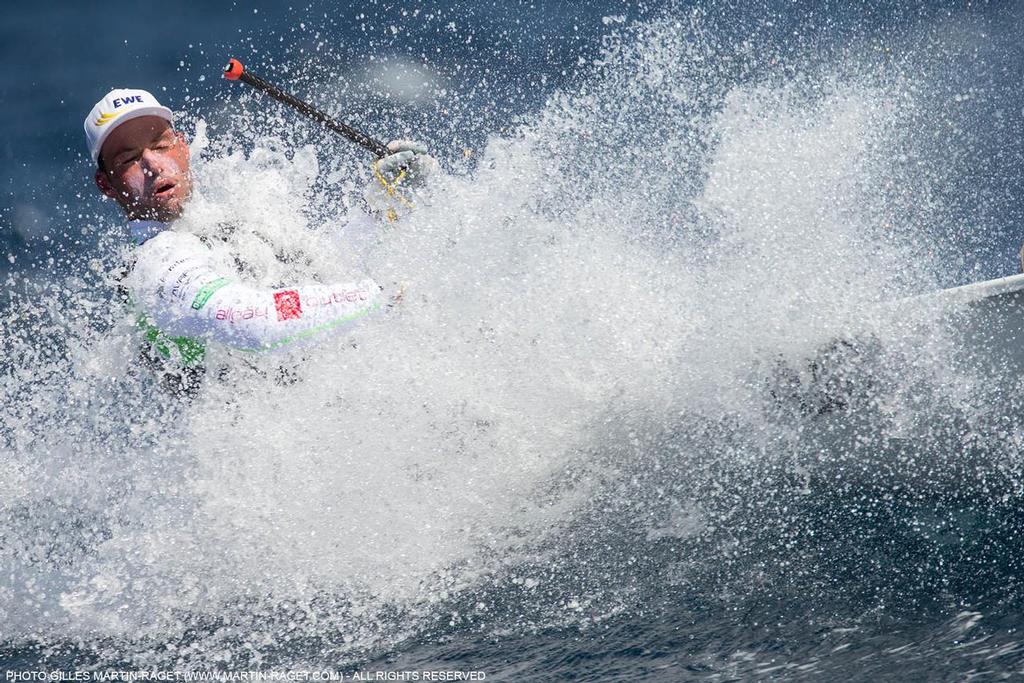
(116, 107)
(118, 102)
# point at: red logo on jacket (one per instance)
(287, 304)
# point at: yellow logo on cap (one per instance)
(104, 119)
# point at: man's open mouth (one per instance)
(164, 189)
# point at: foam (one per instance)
(635, 248)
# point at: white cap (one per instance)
(119, 105)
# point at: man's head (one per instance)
(142, 162)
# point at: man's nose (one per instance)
(152, 161)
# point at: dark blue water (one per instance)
(820, 540)
(58, 60)
(503, 60)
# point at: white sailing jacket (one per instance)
(188, 298)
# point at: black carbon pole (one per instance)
(234, 71)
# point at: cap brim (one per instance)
(162, 112)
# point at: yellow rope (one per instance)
(392, 189)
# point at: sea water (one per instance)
(597, 440)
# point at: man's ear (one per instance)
(103, 183)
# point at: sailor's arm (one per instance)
(178, 285)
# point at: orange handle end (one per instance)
(233, 71)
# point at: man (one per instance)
(187, 297)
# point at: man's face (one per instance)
(144, 167)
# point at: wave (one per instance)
(593, 404)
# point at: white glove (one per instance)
(398, 176)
